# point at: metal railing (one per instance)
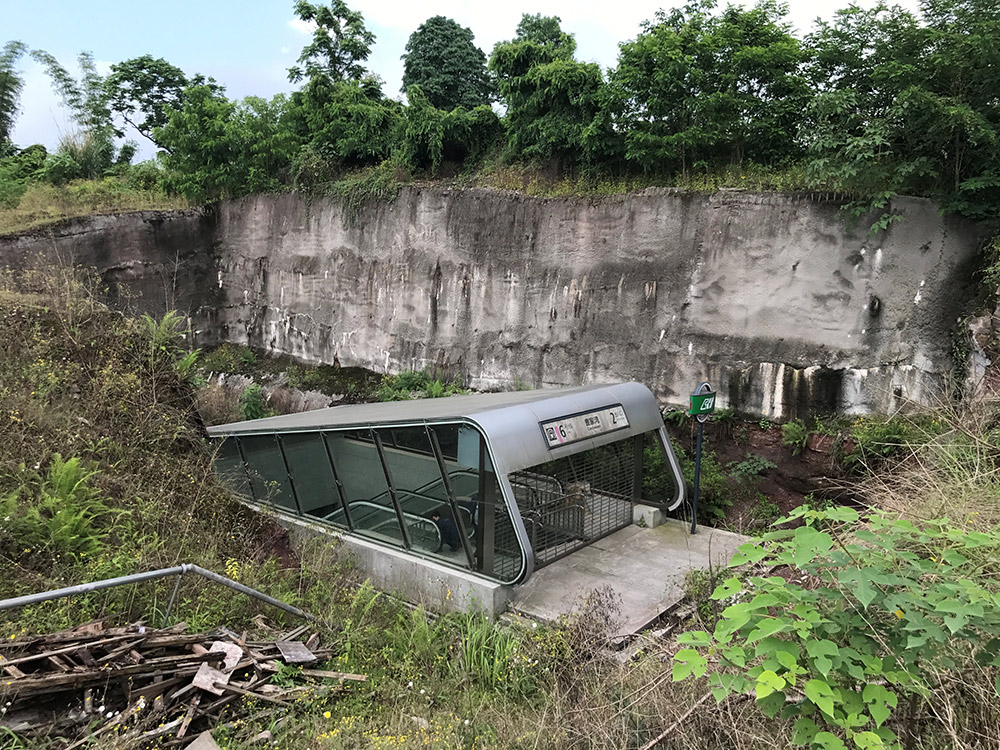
(152, 575)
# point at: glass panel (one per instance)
(431, 524)
(313, 477)
(267, 471)
(507, 560)
(365, 488)
(229, 467)
(659, 486)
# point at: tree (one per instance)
(906, 106)
(952, 121)
(850, 124)
(142, 92)
(11, 84)
(340, 43)
(443, 61)
(90, 152)
(221, 148)
(85, 98)
(699, 87)
(552, 100)
(348, 125)
(430, 136)
(545, 31)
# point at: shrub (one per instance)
(750, 467)
(875, 440)
(795, 434)
(889, 615)
(253, 402)
(713, 490)
(408, 383)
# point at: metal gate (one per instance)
(575, 500)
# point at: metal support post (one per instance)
(697, 477)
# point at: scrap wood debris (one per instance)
(147, 685)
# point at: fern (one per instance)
(60, 513)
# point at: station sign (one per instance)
(702, 402)
(589, 424)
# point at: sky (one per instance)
(249, 45)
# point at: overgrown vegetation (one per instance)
(868, 105)
(104, 472)
(418, 384)
(880, 630)
(888, 633)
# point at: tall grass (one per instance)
(946, 466)
(42, 203)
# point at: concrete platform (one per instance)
(645, 567)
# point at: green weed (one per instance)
(795, 434)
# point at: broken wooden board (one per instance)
(208, 678)
(295, 652)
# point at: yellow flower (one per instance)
(899, 613)
(326, 714)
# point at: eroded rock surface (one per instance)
(767, 296)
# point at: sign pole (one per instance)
(702, 404)
(697, 476)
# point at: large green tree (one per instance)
(221, 148)
(908, 104)
(553, 102)
(449, 68)
(340, 43)
(11, 84)
(698, 86)
(143, 91)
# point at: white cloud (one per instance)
(303, 27)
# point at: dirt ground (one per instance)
(814, 471)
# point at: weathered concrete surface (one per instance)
(422, 581)
(646, 569)
(152, 261)
(765, 295)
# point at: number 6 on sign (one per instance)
(575, 427)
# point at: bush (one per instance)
(146, 175)
(875, 440)
(795, 434)
(889, 615)
(60, 168)
(713, 490)
(420, 383)
(253, 402)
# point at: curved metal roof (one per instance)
(511, 422)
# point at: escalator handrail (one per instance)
(412, 517)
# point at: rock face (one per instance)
(766, 296)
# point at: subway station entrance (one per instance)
(495, 484)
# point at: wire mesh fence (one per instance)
(574, 500)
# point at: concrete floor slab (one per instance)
(645, 567)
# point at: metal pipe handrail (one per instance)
(152, 575)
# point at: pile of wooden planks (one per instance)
(148, 685)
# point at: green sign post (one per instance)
(702, 404)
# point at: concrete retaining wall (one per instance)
(767, 296)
